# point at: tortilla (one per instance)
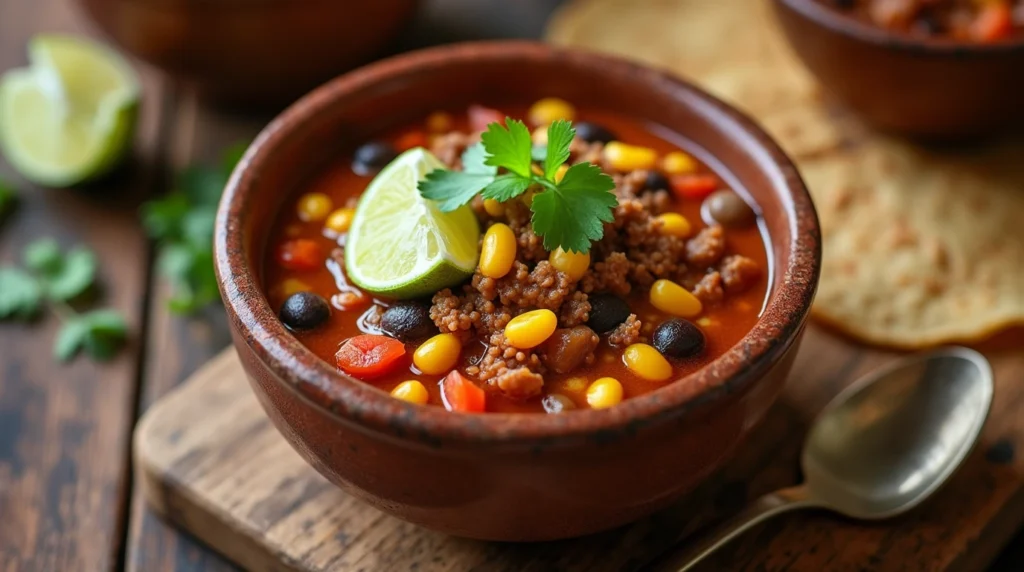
(921, 246)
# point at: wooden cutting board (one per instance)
(210, 461)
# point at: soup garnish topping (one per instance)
(519, 266)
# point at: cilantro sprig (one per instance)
(55, 278)
(568, 213)
(181, 223)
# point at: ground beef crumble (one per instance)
(633, 254)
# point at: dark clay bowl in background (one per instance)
(252, 51)
(507, 476)
(931, 88)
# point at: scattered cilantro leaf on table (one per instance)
(181, 223)
(20, 295)
(99, 332)
(65, 276)
(570, 212)
(58, 277)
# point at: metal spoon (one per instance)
(882, 445)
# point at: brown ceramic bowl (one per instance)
(511, 476)
(932, 88)
(265, 51)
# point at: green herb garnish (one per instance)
(568, 214)
(181, 223)
(58, 278)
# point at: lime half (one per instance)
(400, 245)
(70, 115)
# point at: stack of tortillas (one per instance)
(921, 247)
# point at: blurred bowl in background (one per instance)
(926, 87)
(259, 52)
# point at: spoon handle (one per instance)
(760, 510)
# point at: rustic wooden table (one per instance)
(67, 500)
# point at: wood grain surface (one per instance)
(212, 463)
(67, 500)
(64, 428)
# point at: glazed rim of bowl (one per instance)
(835, 20)
(365, 405)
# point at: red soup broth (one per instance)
(723, 324)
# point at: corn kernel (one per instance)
(494, 208)
(574, 264)
(705, 322)
(540, 135)
(672, 298)
(674, 224)
(314, 207)
(439, 122)
(623, 157)
(604, 392)
(531, 329)
(678, 163)
(549, 109)
(574, 384)
(411, 391)
(527, 197)
(437, 355)
(498, 251)
(535, 168)
(292, 286)
(340, 220)
(647, 362)
(560, 173)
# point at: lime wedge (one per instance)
(400, 245)
(70, 115)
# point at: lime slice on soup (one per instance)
(401, 245)
(70, 115)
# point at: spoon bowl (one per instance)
(882, 446)
(891, 439)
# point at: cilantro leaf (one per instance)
(162, 217)
(182, 225)
(230, 157)
(64, 276)
(560, 135)
(508, 147)
(20, 294)
(572, 215)
(507, 186)
(100, 333)
(474, 160)
(452, 189)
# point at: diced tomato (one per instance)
(994, 22)
(300, 254)
(480, 117)
(461, 394)
(369, 355)
(693, 186)
(411, 139)
(350, 300)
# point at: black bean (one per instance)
(592, 132)
(606, 312)
(729, 209)
(678, 338)
(656, 182)
(408, 321)
(304, 311)
(372, 157)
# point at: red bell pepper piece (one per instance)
(461, 394)
(300, 254)
(369, 355)
(694, 187)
